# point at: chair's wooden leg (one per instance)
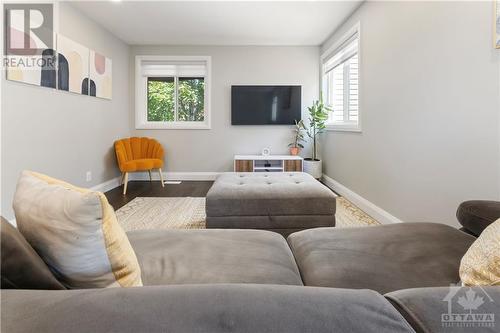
(161, 177)
(150, 178)
(123, 177)
(125, 182)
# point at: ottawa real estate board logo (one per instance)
(29, 36)
(465, 308)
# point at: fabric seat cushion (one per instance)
(22, 267)
(238, 308)
(439, 309)
(382, 258)
(214, 256)
(142, 164)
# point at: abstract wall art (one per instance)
(30, 58)
(73, 66)
(101, 76)
(496, 27)
(40, 72)
(69, 66)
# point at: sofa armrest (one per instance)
(476, 215)
(200, 308)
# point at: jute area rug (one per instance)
(162, 213)
(189, 213)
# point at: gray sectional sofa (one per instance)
(392, 278)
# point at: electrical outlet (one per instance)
(88, 176)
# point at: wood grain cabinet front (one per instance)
(293, 165)
(243, 166)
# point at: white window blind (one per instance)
(341, 82)
(345, 51)
(173, 68)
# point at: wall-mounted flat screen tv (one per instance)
(265, 105)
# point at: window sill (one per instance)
(344, 128)
(174, 126)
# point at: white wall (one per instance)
(213, 150)
(431, 109)
(64, 134)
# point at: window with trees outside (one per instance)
(172, 92)
(340, 82)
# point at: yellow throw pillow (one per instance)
(480, 266)
(76, 233)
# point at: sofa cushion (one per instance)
(22, 267)
(261, 194)
(383, 258)
(214, 256)
(142, 164)
(476, 215)
(201, 308)
(440, 309)
(480, 266)
(76, 233)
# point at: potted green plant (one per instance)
(318, 115)
(298, 134)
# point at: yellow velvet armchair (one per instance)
(138, 154)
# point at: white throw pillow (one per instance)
(76, 233)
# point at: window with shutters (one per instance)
(172, 92)
(340, 82)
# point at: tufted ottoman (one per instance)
(280, 202)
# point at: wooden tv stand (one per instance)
(270, 163)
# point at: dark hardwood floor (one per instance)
(154, 189)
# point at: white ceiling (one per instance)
(219, 22)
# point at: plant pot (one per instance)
(313, 167)
(294, 151)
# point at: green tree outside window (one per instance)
(190, 99)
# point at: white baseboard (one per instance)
(107, 185)
(368, 207)
(175, 176)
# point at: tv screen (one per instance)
(265, 105)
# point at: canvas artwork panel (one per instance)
(73, 66)
(37, 65)
(44, 76)
(497, 24)
(101, 76)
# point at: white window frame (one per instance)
(329, 53)
(141, 95)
